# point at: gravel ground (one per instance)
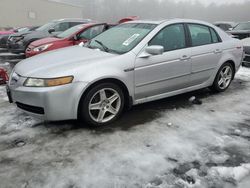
(167, 143)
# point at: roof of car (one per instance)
(158, 22)
(73, 20)
(224, 22)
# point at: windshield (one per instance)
(122, 38)
(70, 31)
(243, 26)
(46, 26)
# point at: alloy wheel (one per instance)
(225, 77)
(104, 105)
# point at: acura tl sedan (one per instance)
(132, 63)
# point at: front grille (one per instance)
(32, 109)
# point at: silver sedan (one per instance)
(132, 63)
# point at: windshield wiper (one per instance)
(106, 49)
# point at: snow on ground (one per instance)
(167, 143)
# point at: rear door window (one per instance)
(200, 34)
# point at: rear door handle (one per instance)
(217, 51)
(185, 57)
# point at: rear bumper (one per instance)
(51, 103)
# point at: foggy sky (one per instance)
(208, 10)
(217, 2)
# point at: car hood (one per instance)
(21, 33)
(45, 41)
(239, 31)
(37, 35)
(59, 62)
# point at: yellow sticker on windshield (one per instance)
(130, 39)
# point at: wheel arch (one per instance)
(128, 98)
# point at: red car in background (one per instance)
(129, 18)
(12, 31)
(73, 36)
(3, 76)
(7, 32)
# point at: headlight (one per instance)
(48, 82)
(42, 48)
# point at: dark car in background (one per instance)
(17, 43)
(241, 31)
(226, 26)
(4, 38)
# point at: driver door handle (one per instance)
(185, 57)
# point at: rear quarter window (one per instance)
(215, 36)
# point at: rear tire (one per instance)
(223, 78)
(101, 105)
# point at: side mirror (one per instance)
(51, 30)
(152, 50)
(155, 50)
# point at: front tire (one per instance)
(102, 104)
(223, 78)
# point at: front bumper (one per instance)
(49, 103)
(13, 47)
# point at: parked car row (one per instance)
(129, 64)
(58, 34)
(73, 36)
(18, 43)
